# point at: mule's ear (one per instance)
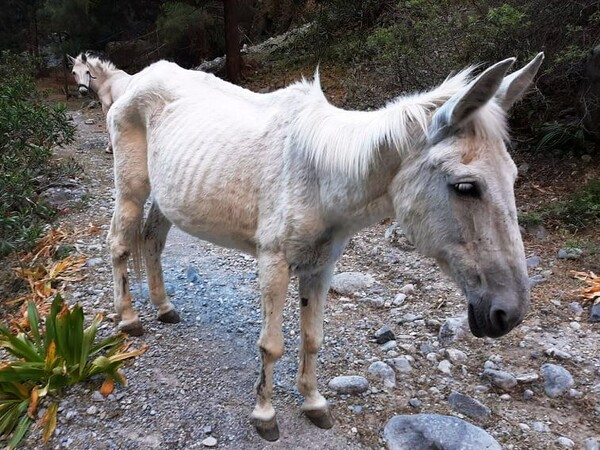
(457, 111)
(514, 86)
(71, 60)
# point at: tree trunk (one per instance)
(233, 63)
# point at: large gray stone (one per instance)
(381, 370)
(434, 431)
(557, 380)
(349, 283)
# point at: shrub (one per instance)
(29, 129)
(49, 358)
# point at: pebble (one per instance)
(381, 370)
(595, 313)
(90, 121)
(527, 394)
(591, 444)
(400, 364)
(456, 356)
(384, 334)
(527, 377)
(209, 442)
(207, 429)
(445, 367)
(576, 308)
(452, 330)
(92, 410)
(574, 393)
(499, 378)
(408, 289)
(575, 326)
(97, 397)
(468, 406)
(349, 384)
(490, 365)
(557, 380)
(524, 427)
(350, 283)
(533, 261)
(536, 279)
(409, 317)
(421, 431)
(558, 354)
(540, 427)
(388, 346)
(399, 299)
(425, 348)
(415, 402)
(570, 253)
(565, 442)
(92, 262)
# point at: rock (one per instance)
(505, 397)
(574, 393)
(468, 406)
(540, 427)
(388, 346)
(192, 275)
(570, 253)
(429, 431)
(399, 299)
(349, 283)
(557, 380)
(565, 442)
(500, 379)
(591, 444)
(425, 348)
(445, 367)
(207, 429)
(415, 402)
(97, 397)
(383, 335)
(93, 262)
(92, 410)
(90, 121)
(386, 373)
(527, 394)
(533, 262)
(490, 365)
(400, 364)
(576, 308)
(456, 356)
(408, 289)
(390, 230)
(522, 169)
(558, 354)
(575, 326)
(536, 279)
(527, 377)
(349, 384)
(209, 442)
(595, 313)
(409, 317)
(538, 232)
(452, 330)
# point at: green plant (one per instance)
(580, 210)
(530, 218)
(556, 136)
(49, 358)
(29, 130)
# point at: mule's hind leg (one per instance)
(273, 279)
(155, 233)
(132, 190)
(313, 292)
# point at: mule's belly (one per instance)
(207, 181)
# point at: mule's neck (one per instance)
(103, 82)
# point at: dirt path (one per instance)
(197, 377)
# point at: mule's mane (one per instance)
(349, 141)
(96, 60)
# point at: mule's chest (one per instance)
(310, 254)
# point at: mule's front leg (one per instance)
(155, 234)
(313, 292)
(273, 279)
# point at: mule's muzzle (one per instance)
(83, 89)
(495, 319)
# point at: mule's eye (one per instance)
(467, 189)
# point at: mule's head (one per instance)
(81, 72)
(455, 199)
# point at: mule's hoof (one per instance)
(134, 328)
(320, 417)
(169, 317)
(268, 430)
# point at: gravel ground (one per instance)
(196, 379)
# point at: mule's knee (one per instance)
(271, 350)
(312, 344)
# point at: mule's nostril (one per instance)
(500, 320)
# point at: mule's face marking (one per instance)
(83, 76)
